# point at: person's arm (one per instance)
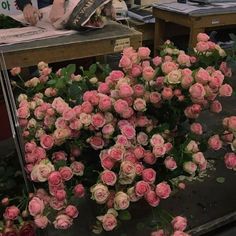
(58, 10)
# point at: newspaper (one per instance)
(43, 29)
(191, 8)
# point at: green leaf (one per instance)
(93, 69)
(52, 82)
(220, 180)
(74, 91)
(70, 69)
(125, 215)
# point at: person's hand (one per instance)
(57, 10)
(31, 14)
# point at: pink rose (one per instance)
(79, 191)
(46, 141)
(159, 232)
(66, 173)
(141, 188)
(11, 213)
(215, 143)
(179, 223)
(202, 76)
(179, 233)
(136, 70)
(59, 156)
(155, 97)
(225, 90)
(109, 222)
(125, 62)
(128, 131)
(105, 103)
(216, 107)
(197, 91)
(41, 221)
(121, 201)
(36, 206)
(170, 163)
(159, 151)
(138, 90)
(157, 61)
(184, 59)
(71, 211)
(144, 52)
(55, 178)
(60, 194)
(96, 142)
(163, 190)
(199, 158)
(77, 168)
(148, 73)
(127, 172)
(186, 81)
(149, 158)
(103, 88)
(125, 90)
(116, 153)
(232, 123)
(23, 112)
(196, 128)
(139, 104)
(15, 71)
(120, 106)
(149, 175)
(86, 107)
(202, 37)
(230, 160)
(167, 93)
(192, 147)
(225, 69)
(157, 140)
(100, 193)
(168, 66)
(98, 120)
(142, 138)
(190, 167)
(108, 177)
(116, 75)
(62, 221)
(202, 46)
(152, 199)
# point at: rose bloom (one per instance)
(167, 67)
(79, 190)
(71, 211)
(159, 151)
(103, 88)
(179, 223)
(202, 37)
(174, 77)
(231, 123)
(202, 46)
(141, 188)
(199, 158)
(100, 193)
(139, 104)
(120, 105)
(27, 229)
(170, 163)
(11, 213)
(108, 177)
(215, 143)
(157, 61)
(163, 190)
(127, 169)
(225, 69)
(152, 199)
(157, 140)
(105, 103)
(128, 131)
(23, 112)
(125, 62)
(186, 81)
(41, 221)
(179, 233)
(15, 71)
(230, 160)
(59, 156)
(196, 128)
(225, 90)
(36, 206)
(202, 76)
(125, 90)
(136, 71)
(121, 201)
(149, 158)
(142, 138)
(216, 107)
(167, 93)
(184, 59)
(98, 120)
(148, 73)
(159, 232)
(66, 173)
(77, 168)
(144, 52)
(55, 178)
(149, 175)
(190, 167)
(96, 142)
(155, 97)
(62, 221)
(197, 91)
(46, 141)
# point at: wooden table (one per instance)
(197, 23)
(112, 38)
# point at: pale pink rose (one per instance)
(159, 232)
(202, 46)
(202, 37)
(225, 90)
(160, 81)
(59, 105)
(142, 138)
(148, 73)
(96, 142)
(109, 222)
(127, 170)
(105, 103)
(141, 188)
(197, 91)
(186, 72)
(125, 90)
(103, 88)
(120, 106)
(199, 158)
(139, 90)
(23, 112)
(190, 167)
(157, 140)
(192, 147)
(181, 186)
(71, 211)
(121, 201)
(116, 153)
(163, 190)
(59, 156)
(108, 130)
(174, 77)
(11, 213)
(15, 71)
(167, 67)
(186, 81)
(50, 92)
(128, 131)
(179, 233)
(100, 193)
(32, 82)
(225, 69)
(155, 97)
(128, 51)
(214, 142)
(168, 58)
(62, 221)
(98, 120)
(184, 59)
(142, 121)
(196, 128)
(152, 199)
(86, 107)
(167, 93)
(130, 156)
(231, 123)
(42, 65)
(139, 104)
(191, 112)
(127, 113)
(193, 59)
(136, 70)
(79, 191)
(157, 61)
(69, 114)
(145, 63)
(77, 168)
(170, 163)
(139, 168)
(159, 151)
(139, 152)
(230, 160)
(144, 52)
(216, 107)
(108, 177)
(30, 146)
(149, 175)
(66, 173)
(125, 62)
(36, 206)
(179, 223)
(149, 158)
(46, 141)
(168, 146)
(55, 178)
(202, 76)
(41, 221)
(116, 75)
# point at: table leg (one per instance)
(159, 34)
(193, 36)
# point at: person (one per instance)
(32, 14)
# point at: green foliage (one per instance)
(6, 22)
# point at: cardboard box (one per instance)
(149, 2)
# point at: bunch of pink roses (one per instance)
(133, 119)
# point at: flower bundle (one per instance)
(140, 121)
